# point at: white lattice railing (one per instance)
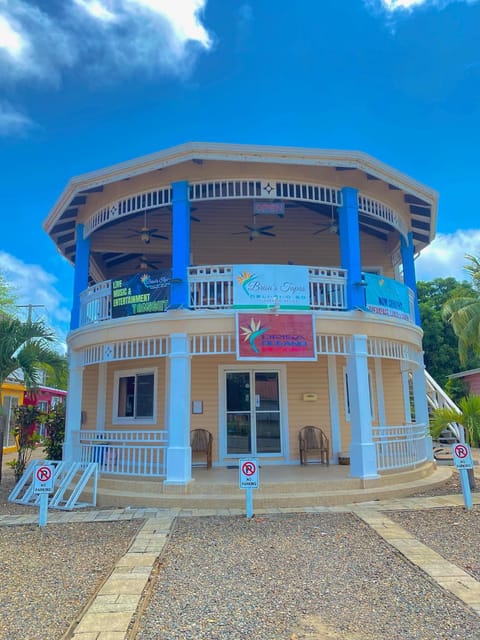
(383, 212)
(238, 189)
(400, 446)
(96, 303)
(327, 288)
(211, 287)
(127, 453)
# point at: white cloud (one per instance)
(13, 122)
(445, 257)
(408, 5)
(32, 285)
(98, 36)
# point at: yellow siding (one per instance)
(90, 392)
(392, 389)
(307, 377)
(134, 365)
(205, 388)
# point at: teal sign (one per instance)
(386, 297)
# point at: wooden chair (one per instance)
(313, 443)
(201, 442)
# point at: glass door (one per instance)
(253, 413)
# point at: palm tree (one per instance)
(469, 418)
(463, 313)
(26, 348)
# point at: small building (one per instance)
(250, 291)
(12, 394)
(471, 379)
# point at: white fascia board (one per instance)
(241, 153)
(463, 374)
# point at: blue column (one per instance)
(350, 247)
(407, 250)
(80, 279)
(179, 295)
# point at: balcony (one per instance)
(211, 288)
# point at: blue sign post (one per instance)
(463, 461)
(248, 480)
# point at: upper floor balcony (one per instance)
(212, 287)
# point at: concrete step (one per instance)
(288, 496)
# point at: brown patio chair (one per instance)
(313, 444)
(201, 442)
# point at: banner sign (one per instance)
(263, 286)
(261, 208)
(387, 297)
(262, 336)
(141, 293)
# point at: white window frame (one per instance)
(253, 367)
(346, 395)
(129, 420)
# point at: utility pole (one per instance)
(29, 307)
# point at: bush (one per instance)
(26, 420)
(55, 432)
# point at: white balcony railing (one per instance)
(400, 446)
(211, 287)
(127, 453)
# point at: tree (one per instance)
(463, 314)
(7, 297)
(469, 418)
(27, 419)
(440, 343)
(26, 347)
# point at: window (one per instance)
(134, 397)
(346, 395)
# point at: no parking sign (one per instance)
(43, 479)
(248, 474)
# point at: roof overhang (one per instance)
(421, 200)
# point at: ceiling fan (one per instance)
(255, 231)
(145, 233)
(331, 226)
(144, 264)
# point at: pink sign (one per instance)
(262, 336)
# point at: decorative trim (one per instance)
(237, 189)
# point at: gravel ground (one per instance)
(452, 532)
(48, 575)
(295, 576)
(290, 576)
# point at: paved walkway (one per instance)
(113, 608)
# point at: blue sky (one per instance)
(88, 83)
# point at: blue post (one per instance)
(409, 278)
(350, 247)
(80, 280)
(467, 494)
(42, 515)
(179, 294)
(249, 502)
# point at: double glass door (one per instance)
(253, 413)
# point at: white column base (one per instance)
(179, 465)
(363, 460)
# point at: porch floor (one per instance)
(284, 486)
